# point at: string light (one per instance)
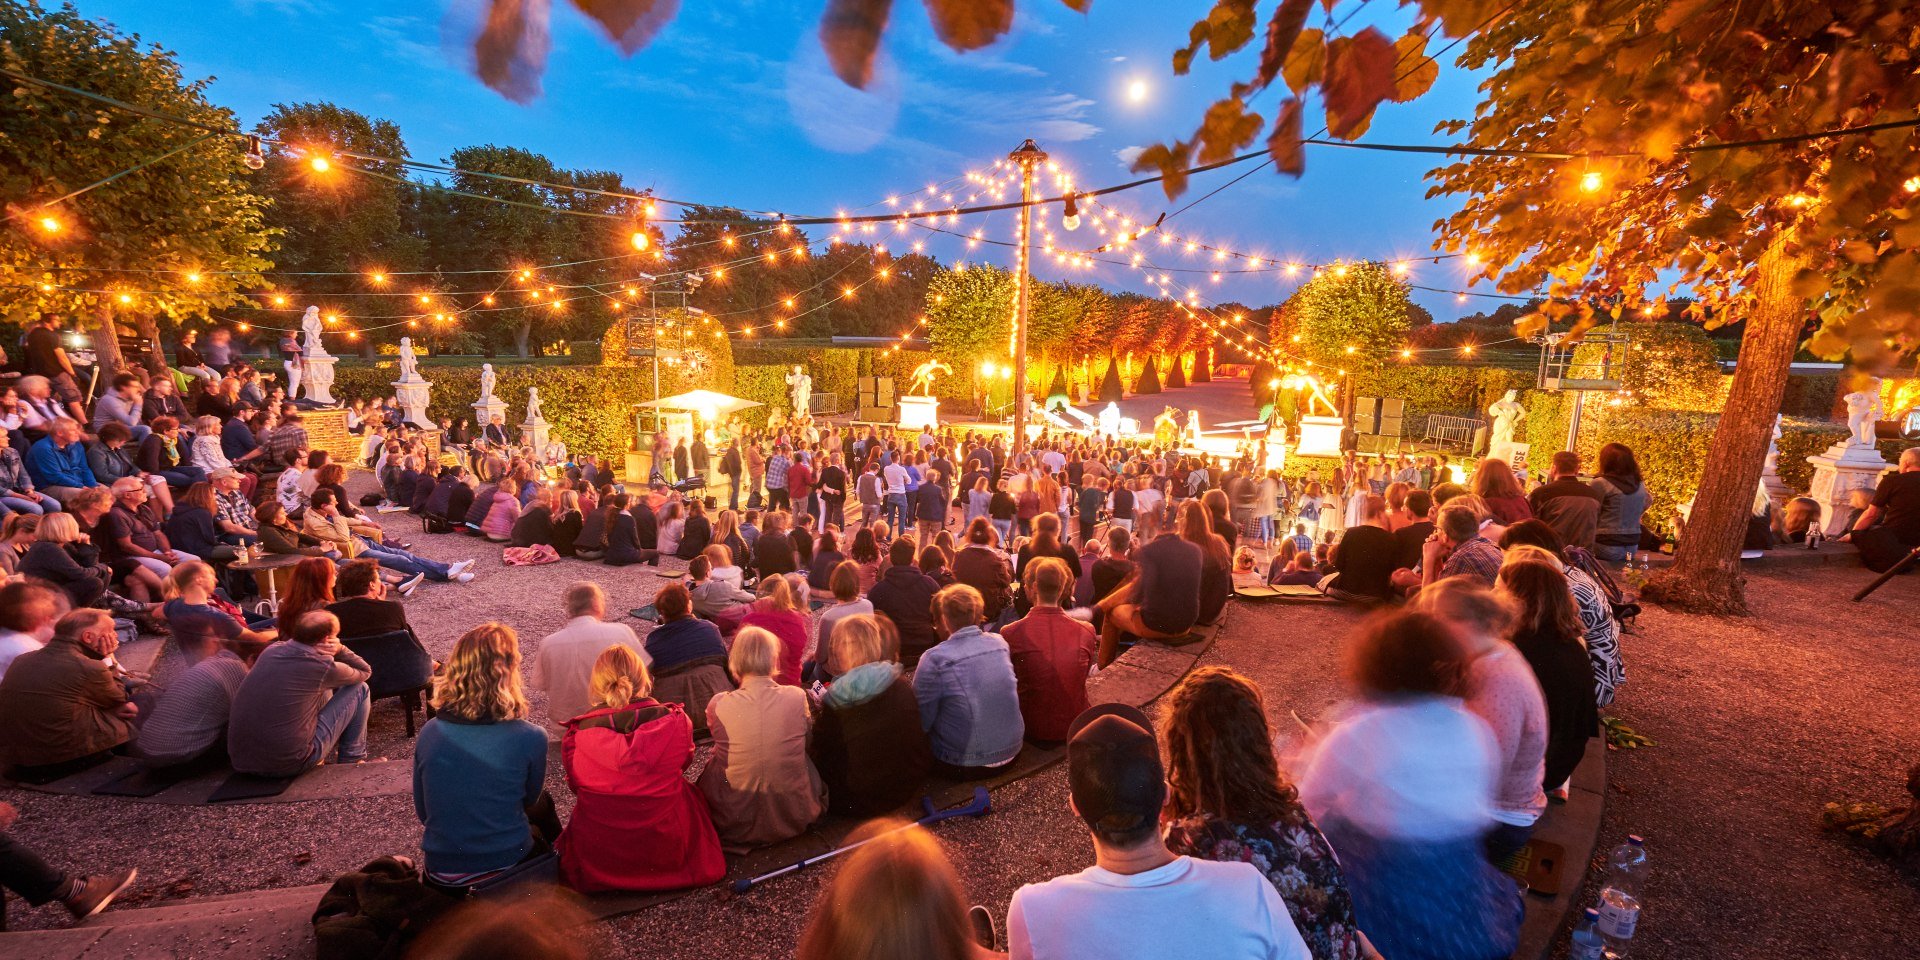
(51, 224)
(1590, 182)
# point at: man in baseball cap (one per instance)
(1139, 900)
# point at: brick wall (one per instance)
(327, 430)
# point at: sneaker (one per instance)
(463, 578)
(984, 933)
(406, 588)
(460, 568)
(92, 894)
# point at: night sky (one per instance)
(732, 104)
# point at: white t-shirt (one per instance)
(13, 644)
(1145, 501)
(1188, 908)
(896, 476)
(564, 664)
(1054, 460)
(1423, 768)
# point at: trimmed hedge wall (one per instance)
(590, 408)
(1428, 390)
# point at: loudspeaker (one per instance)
(1366, 414)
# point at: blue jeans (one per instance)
(1005, 527)
(343, 721)
(184, 475)
(403, 561)
(11, 504)
(894, 508)
(1266, 527)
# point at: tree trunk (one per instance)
(521, 334)
(149, 331)
(1705, 576)
(106, 346)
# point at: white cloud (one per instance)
(1128, 155)
(1049, 117)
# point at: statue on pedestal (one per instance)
(533, 406)
(486, 383)
(922, 385)
(1863, 411)
(409, 364)
(1506, 413)
(310, 329)
(800, 387)
(1110, 420)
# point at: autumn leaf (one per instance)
(631, 23)
(850, 32)
(1170, 162)
(1282, 30)
(1306, 62)
(970, 24)
(1289, 154)
(1226, 128)
(511, 51)
(1077, 6)
(1359, 76)
(1230, 26)
(1414, 71)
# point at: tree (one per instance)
(176, 238)
(1353, 316)
(1820, 228)
(1149, 380)
(968, 315)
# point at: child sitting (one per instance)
(715, 599)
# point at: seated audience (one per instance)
(1228, 801)
(309, 588)
(1403, 786)
(686, 656)
(503, 513)
(200, 620)
(779, 612)
(847, 602)
(1411, 537)
(759, 783)
(480, 767)
(568, 517)
(637, 824)
(894, 897)
(715, 599)
(1623, 501)
(62, 557)
(773, 551)
(1601, 634)
(189, 720)
(1566, 503)
(696, 533)
(981, 565)
(1494, 483)
(160, 455)
(563, 665)
(535, 523)
(17, 494)
(193, 529)
(325, 522)
(969, 698)
(865, 553)
(904, 596)
(361, 604)
(57, 462)
(867, 741)
(1160, 601)
(1889, 528)
(826, 556)
(1216, 561)
(303, 699)
(28, 612)
(1547, 631)
(62, 706)
(624, 547)
(1140, 899)
(131, 540)
(1051, 654)
(1364, 558)
(279, 535)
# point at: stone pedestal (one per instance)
(918, 412)
(1511, 453)
(412, 395)
(485, 409)
(533, 433)
(316, 378)
(1319, 437)
(1844, 468)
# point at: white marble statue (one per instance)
(533, 405)
(1863, 411)
(486, 382)
(310, 327)
(1110, 420)
(800, 387)
(409, 363)
(1506, 413)
(922, 385)
(1772, 467)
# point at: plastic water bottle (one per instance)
(1620, 898)
(1588, 944)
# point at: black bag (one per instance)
(437, 524)
(370, 500)
(375, 911)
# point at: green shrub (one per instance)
(1176, 372)
(1802, 438)
(590, 408)
(1667, 366)
(1149, 381)
(1813, 396)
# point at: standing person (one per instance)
(302, 699)
(1228, 801)
(779, 496)
(894, 478)
(1051, 655)
(870, 489)
(1623, 501)
(800, 487)
(969, 697)
(1139, 899)
(45, 357)
(833, 492)
(732, 467)
(759, 783)
(1403, 786)
(930, 507)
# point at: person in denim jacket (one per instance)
(969, 699)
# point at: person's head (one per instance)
(270, 514)
(1219, 751)
(1419, 504)
(619, 677)
(699, 568)
(127, 385)
(865, 548)
(1479, 614)
(1533, 532)
(481, 680)
(199, 495)
(900, 552)
(1494, 479)
(1046, 580)
(932, 559)
(1119, 541)
(113, 434)
(224, 479)
(90, 629)
(1114, 774)
(358, 578)
(674, 602)
(190, 577)
(1542, 601)
(1910, 460)
(129, 492)
(755, 653)
(980, 531)
(165, 426)
(1458, 523)
(1405, 653)
(314, 628)
(1566, 463)
(1374, 508)
(894, 896)
(58, 528)
(323, 501)
(957, 607)
(20, 527)
(32, 609)
(776, 593)
(861, 639)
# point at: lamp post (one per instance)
(1028, 155)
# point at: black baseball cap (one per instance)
(1114, 769)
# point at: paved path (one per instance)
(1219, 401)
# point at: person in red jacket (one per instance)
(1052, 653)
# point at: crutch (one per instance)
(978, 806)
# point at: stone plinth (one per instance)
(412, 395)
(316, 378)
(1844, 468)
(533, 433)
(484, 410)
(918, 412)
(327, 430)
(1319, 437)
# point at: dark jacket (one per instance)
(565, 530)
(192, 529)
(984, 569)
(168, 406)
(646, 525)
(694, 537)
(424, 489)
(931, 502)
(50, 562)
(773, 553)
(442, 498)
(458, 503)
(593, 531)
(904, 595)
(873, 755)
(482, 502)
(623, 545)
(367, 617)
(534, 526)
(289, 540)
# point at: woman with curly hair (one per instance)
(479, 767)
(1229, 801)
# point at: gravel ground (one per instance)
(1757, 724)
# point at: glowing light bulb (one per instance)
(124, 298)
(320, 164)
(379, 278)
(193, 277)
(1590, 181)
(51, 224)
(640, 240)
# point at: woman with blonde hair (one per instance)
(760, 784)
(479, 767)
(62, 556)
(779, 611)
(16, 538)
(637, 823)
(867, 741)
(895, 898)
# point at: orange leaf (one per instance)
(1414, 71)
(1306, 61)
(1282, 31)
(631, 23)
(511, 51)
(850, 32)
(1360, 72)
(1226, 128)
(1170, 162)
(970, 24)
(1289, 154)
(1078, 6)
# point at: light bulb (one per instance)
(640, 240)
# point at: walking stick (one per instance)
(1893, 571)
(978, 806)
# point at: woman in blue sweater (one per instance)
(480, 766)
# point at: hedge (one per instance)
(1428, 390)
(1800, 439)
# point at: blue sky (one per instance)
(733, 104)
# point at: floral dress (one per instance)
(1299, 863)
